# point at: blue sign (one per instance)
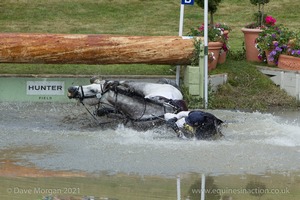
(188, 2)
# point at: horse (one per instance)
(142, 104)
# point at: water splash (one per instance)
(253, 142)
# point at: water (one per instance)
(63, 137)
(253, 143)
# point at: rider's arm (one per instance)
(176, 121)
(179, 115)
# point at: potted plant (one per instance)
(273, 41)
(216, 40)
(225, 48)
(252, 30)
(289, 58)
(266, 40)
(214, 44)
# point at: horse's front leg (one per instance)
(105, 111)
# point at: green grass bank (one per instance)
(247, 89)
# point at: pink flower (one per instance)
(201, 28)
(270, 20)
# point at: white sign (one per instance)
(45, 88)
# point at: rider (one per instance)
(189, 124)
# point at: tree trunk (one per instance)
(211, 19)
(94, 49)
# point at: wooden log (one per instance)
(94, 49)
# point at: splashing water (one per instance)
(253, 143)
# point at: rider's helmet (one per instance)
(195, 118)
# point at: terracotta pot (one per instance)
(222, 57)
(226, 32)
(288, 62)
(214, 47)
(250, 36)
(271, 63)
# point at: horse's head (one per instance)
(89, 94)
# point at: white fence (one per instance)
(288, 80)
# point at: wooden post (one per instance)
(94, 49)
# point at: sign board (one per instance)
(187, 2)
(45, 88)
(21, 89)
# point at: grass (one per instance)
(246, 89)
(136, 69)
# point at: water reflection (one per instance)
(227, 187)
(268, 186)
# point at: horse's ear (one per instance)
(94, 80)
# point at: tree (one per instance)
(212, 8)
(260, 15)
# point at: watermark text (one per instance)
(43, 191)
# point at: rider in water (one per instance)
(190, 124)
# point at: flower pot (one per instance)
(250, 36)
(214, 47)
(271, 63)
(226, 32)
(288, 62)
(222, 57)
(223, 54)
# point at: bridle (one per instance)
(98, 96)
(81, 97)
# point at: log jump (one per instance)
(94, 49)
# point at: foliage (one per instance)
(293, 47)
(196, 52)
(260, 16)
(226, 29)
(267, 37)
(278, 40)
(223, 26)
(276, 51)
(268, 40)
(214, 34)
(212, 7)
(194, 102)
